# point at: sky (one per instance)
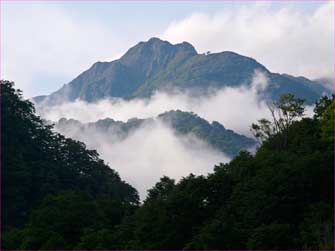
(45, 44)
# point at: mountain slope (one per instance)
(183, 123)
(37, 163)
(158, 65)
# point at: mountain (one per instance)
(326, 82)
(159, 65)
(183, 123)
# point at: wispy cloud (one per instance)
(286, 39)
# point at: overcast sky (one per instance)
(46, 44)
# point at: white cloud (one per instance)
(44, 41)
(235, 108)
(286, 40)
(150, 153)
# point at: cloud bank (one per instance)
(235, 108)
(151, 152)
(286, 40)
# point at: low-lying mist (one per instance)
(235, 108)
(150, 152)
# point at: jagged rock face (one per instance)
(158, 65)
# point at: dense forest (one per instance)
(56, 194)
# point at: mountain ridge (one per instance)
(157, 65)
(183, 124)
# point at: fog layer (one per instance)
(150, 152)
(235, 108)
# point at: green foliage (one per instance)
(327, 123)
(36, 162)
(170, 214)
(215, 134)
(263, 130)
(272, 236)
(284, 113)
(67, 221)
(290, 107)
(101, 239)
(321, 105)
(316, 229)
(59, 220)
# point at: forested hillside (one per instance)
(182, 123)
(37, 163)
(56, 194)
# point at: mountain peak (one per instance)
(156, 40)
(147, 58)
(156, 64)
(158, 47)
(187, 47)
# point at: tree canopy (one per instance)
(37, 162)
